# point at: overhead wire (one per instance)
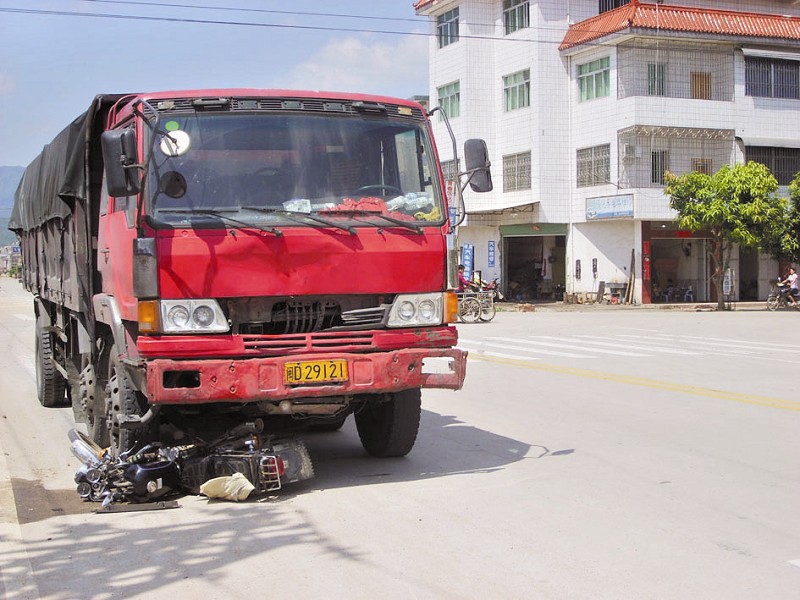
(198, 21)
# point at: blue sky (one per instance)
(52, 65)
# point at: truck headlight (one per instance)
(192, 316)
(416, 309)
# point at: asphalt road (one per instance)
(592, 454)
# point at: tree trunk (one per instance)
(716, 254)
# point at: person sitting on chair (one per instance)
(464, 284)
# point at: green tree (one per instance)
(735, 205)
(783, 240)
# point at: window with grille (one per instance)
(517, 172)
(702, 165)
(606, 5)
(594, 79)
(447, 28)
(450, 170)
(659, 164)
(450, 99)
(516, 15)
(701, 86)
(517, 90)
(594, 165)
(772, 78)
(656, 79)
(783, 162)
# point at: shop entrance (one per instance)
(534, 267)
(748, 274)
(678, 270)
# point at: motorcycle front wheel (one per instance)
(773, 302)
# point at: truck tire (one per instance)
(94, 407)
(51, 386)
(389, 428)
(121, 398)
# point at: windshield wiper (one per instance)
(219, 215)
(301, 217)
(369, 213)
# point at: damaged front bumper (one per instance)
(196, 381)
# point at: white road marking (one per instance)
(480, 347)
(567, 343)
(795, 562)
(648, 347)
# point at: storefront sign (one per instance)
(491, 253)
(609, 207)
(467, 259)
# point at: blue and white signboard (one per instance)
(609, 207)
(467, 259)
(491, 253)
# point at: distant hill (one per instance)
(6, 237)
(9, 180)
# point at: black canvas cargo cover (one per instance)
(63, 172)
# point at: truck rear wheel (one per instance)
(51, 386)
(93, 405)
(389, 428)
(122, 399)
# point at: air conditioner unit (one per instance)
(628, 151)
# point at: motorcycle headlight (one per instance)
(192, 316)
(410, 310)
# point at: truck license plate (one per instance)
(315, 371)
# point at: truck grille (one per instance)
(294, 317)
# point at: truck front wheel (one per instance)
(51, 386)
(122, 399)
(389, 427)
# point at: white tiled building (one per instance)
(584, 104)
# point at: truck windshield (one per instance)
(265, 167)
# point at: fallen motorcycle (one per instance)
(156, 471)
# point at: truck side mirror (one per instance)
(478, 166)
(121, 162)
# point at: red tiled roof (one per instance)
(680, 18)
(421, 3)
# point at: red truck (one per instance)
(204, 258)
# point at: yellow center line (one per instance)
(643, 382)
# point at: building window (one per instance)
(450, 170)
(517, 172)
(450, 99)
(594, 165)
(517, 90)
(515, 15)
(772, 78)
(656, 78)
(659, 164)
(594, 79)
(701, 86)
(447, 28)
(702, 165)
(783, 162)
(606, 5)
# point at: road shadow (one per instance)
(135, 554)
(445, 446)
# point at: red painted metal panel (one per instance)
(257, 379)
(238, 346)
(304, 261)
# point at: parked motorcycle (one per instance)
(492, 286)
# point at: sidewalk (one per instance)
(540, 306)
